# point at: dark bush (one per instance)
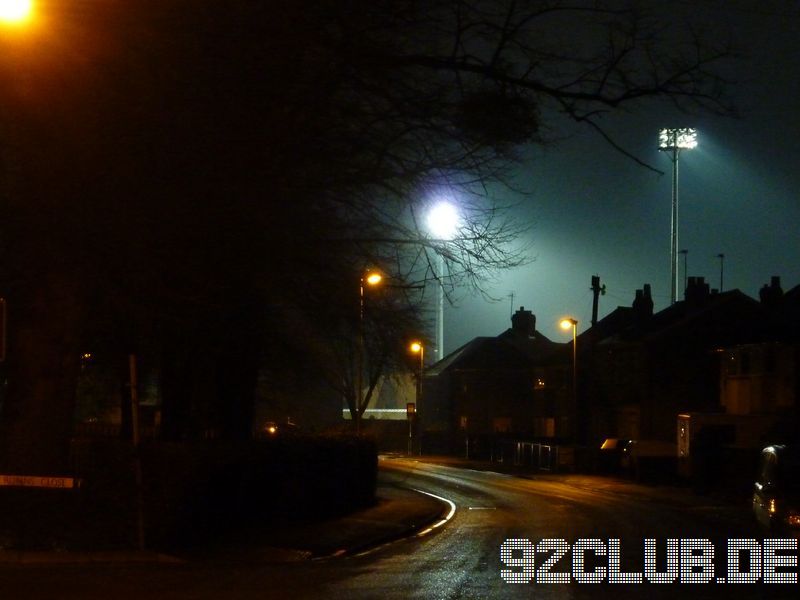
(191, 491)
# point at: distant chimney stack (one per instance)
(523, 323)
(772, 293)
(697, 291)
(643, 304)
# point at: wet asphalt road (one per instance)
(461, 559)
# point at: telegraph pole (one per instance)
(597, 289)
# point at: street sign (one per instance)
(64, 483)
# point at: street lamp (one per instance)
(443, 222)
(417, 348)
(15, 12)
(566, 323)
(673, 141)
(371, 279)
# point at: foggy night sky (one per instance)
(594, 211)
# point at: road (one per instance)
(461, 559)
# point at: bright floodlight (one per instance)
(15, 11)
(677, 139)
(443, 221)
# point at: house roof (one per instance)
(612, 324)
(729, 317)
(508, 351)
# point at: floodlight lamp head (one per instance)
(443, 220)
(677, 139)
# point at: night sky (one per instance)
(594, 211)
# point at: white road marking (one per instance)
(446, 518)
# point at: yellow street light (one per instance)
(373, 278)
(417, 347)
(15, 12)
(570, 323)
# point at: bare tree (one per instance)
(431, 95)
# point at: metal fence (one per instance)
(531, 455)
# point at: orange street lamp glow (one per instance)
(15, 12)
(374, 278)
(568, 323)
(415, 347)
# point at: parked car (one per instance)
(776, 494)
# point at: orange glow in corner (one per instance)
(15, 12)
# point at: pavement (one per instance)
(397, 513)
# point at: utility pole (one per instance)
(597, 289)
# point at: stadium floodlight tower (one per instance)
(443, 222)
(672, 141)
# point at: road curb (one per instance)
(424, 525)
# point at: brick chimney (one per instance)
(643, 304)
(697, 291)
(771, 294)
(523, 323)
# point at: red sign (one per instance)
(64, 483)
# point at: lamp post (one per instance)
(566, 323)
(721, 258)
(443, 222)
(418, 348)
(672, 141)
(368, 278)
